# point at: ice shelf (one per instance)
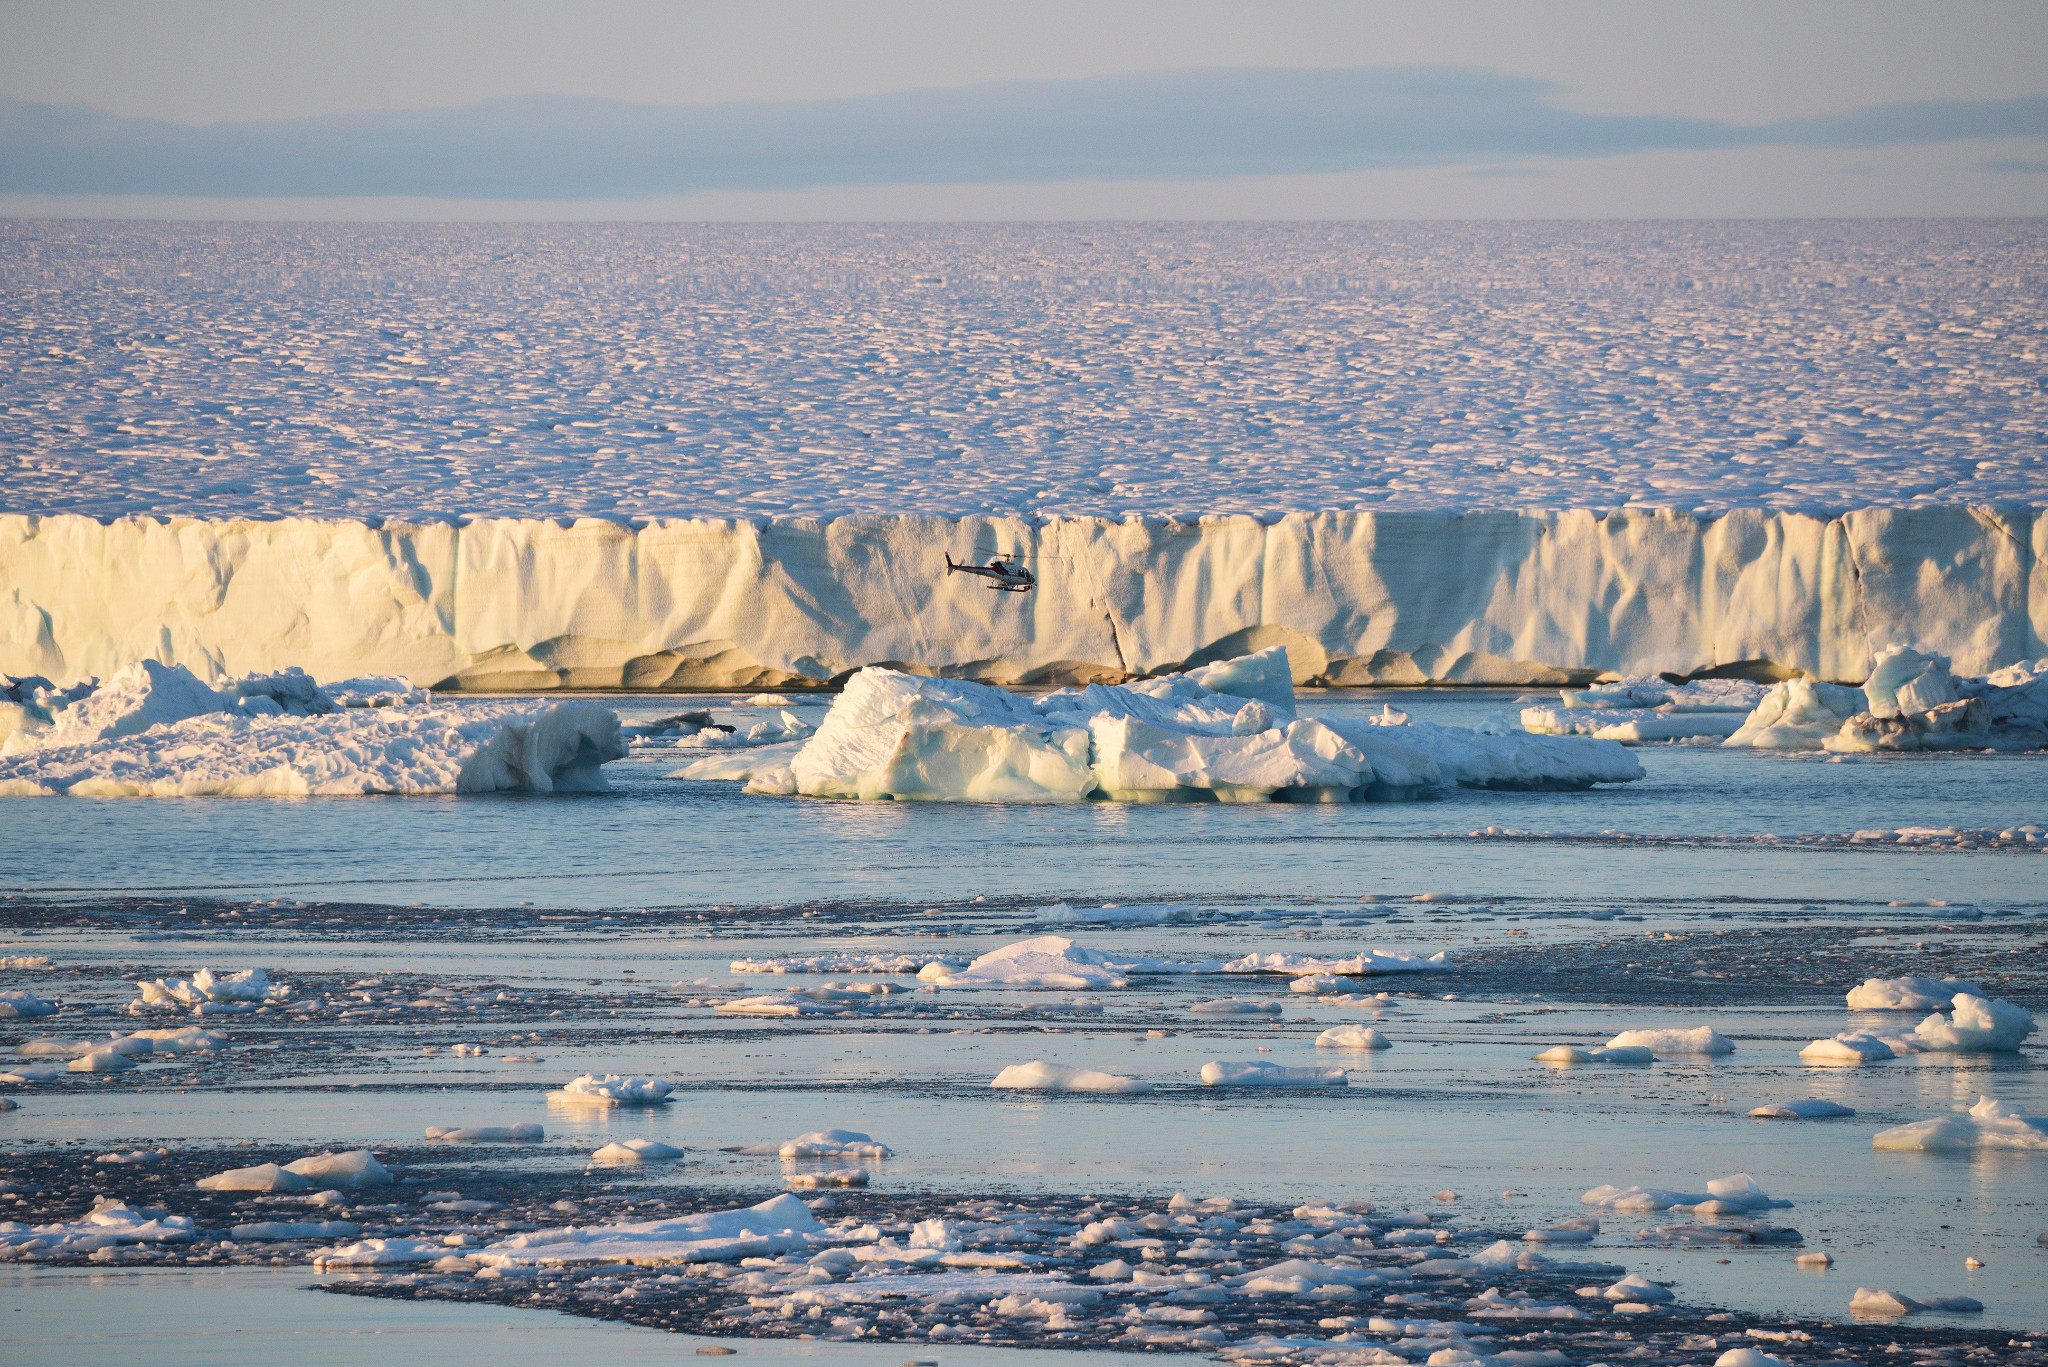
(1557, 598)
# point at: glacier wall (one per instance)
(1357, 597)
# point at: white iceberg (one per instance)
(1987, 1125)
(1040, 1076)
(108, 1224)
(1700, 1040)
(1737, 1193)
(1908, 993)
(1259, 1073)
(1635, 1054)
(156, 731)
(611, 1089)
(1368, 964)
(1178, 737)
(1909, 701)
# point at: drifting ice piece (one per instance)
(1040, 1076)
(832, 1144)
(611, 1089)
(1174, 738)
(150, 732)
(1809, 1108)
(522, 1133)
(1258, 1073)
(353, 1168)
(636, 1151)
(1851, 1047)
(1977, 1026)
(262, 1177)
(777, 1225)
(1989, 1125)
(1047, 962)
(1352, 1037)
(21, 1004)
(1704, 1040)
(1910, 701)
(1908, 994)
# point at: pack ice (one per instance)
(1975, 1025)
(1910, 701)
(1226, 732)
(156, 730)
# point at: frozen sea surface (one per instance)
(627, 371)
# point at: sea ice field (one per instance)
(676, 1066)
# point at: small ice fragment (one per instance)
(832, 1144)
(352, 1168)
(1815, 1260)
(1039, 1075)
(485, 1134)
(1850, 1047)
(1749, 1357)
(1702, 1040)
(1807, 1108)
(1579, 1229)
(1235, 1006)
(636, 1151)
(262, 1177)
(835, 1177)
(611, 1089)
(1636, 1287)
(1259, 1073)
(1987, 1125)
(1352, 1037)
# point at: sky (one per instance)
(892, 110)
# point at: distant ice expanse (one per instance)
(623, 371)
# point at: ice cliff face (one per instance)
(1356, 597)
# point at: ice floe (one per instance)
(1634, 1054)
(156, 730)
(1806, 1108)
(1987, 1125)
(1352, 1037)
(611, 1089)
(1235, 1006)
(1259, 1073)
(1041, 1076)
(1579, 1229)
(777, 1225)
(636, 1151)
(207, 989)
(1649, 709)
(1368, 964)
(261, 1177)
(1046, 963)
(1882, 1303)
(1178, 737)
(846, 963)
(1908, 993)
(523, 1132)
(267, 1231)
(18, 1003)
(108, 1224)
(1850, 1047)
(1909, 701)
(1737, 1193)
(1702, 1040)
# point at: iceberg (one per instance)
(1977, 1026)
(1703, 1039)
(156, 730)
(1048, 962)
(611, 1089)
(1175, 738)
(1910, 701)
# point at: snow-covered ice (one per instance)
(1701, 1040)
(1046, 962)
(18, 1003)
(1634, 1054)
(1040, 1076)
(1880, 1302)
(611, 1089)
(156, 730)
(1259, 1073)
(521, 1132)
(777, 1225)
(1987, 1125)
(1736, 1193)
(207, 988)
(636, 1151)
(1908, 993)
(1910, 700)
(831, 1144)
(1805, 1108)
(1352, 1037)
(108, 1224)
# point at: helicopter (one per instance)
(1003, 576)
